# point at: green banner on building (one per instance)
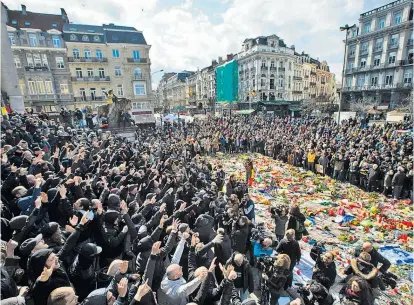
(227, 80)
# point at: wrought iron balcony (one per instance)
(393, 46)
(273, 68)
(305, 88)
(312, 84)
(40, 97)
(297, 78)
(282, 69)
(405, 62)
(306, 76)
(297, 92)
(410, 42)
(137, 60)
(322, 82)
(87, 59)
(89, 98)
(263, 68)
(313, 95)
(36, 68)
(91, 79)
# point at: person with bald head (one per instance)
(244, 283)
(174, 288)
(376, 257)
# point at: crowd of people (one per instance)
(88, 217)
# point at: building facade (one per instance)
(379, 56)
(270, 71)
(110, 57)
(40, 58)
(10, 93)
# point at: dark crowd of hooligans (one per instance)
(91, 218)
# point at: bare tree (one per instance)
(362, 105)
(404, 103)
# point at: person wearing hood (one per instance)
(52, 235)
(244, 282)
(204, 225)
(174, 289)
(240, 234)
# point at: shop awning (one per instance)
(295, 109)
(383, 107)
(247, 111)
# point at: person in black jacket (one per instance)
(324, 270)
(240, 234)
(296, 222)
(277, 277)
(291, 247)
(358, 291)
(244, 283)
(376, 257)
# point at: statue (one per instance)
(114, 108)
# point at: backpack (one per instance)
(300, 226)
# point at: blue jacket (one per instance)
(26, 204)
(259, 251)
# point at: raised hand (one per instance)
(186, 235)
(162, 207)
(218, 239)
(99, 208)
(47, 272)
(123, 268)
(124, 207)
(38, 202)
(143, 289)
(156, 248)
(84, 219)
(122, 287)
(43, 196)
(182, 206)
(212, 265)
(62, 191)
(194, 239)
(73, 220)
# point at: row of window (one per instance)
(34, 41)
(394, 42)
(98, 53)
(38, 60)
(387, 80)
(28, 23)
(41, 86)
(377, 59)
(90, 72)
(397, 19)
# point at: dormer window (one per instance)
(96, 38)
(14, 22)
(28, 23)
(54, 25)
(85, 38)
(73, 37)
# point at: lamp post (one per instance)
(343, 28)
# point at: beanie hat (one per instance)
(114, 202)
(49, 229)
(37, 262)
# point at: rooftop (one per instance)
(384, 7)
(25, 19)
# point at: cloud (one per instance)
(183, 36)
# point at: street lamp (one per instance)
(343, 28)
(157, 71)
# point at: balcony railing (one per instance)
(322, 82)
(41, 97)
(313, 95)
(378, 49)
(297, 92)
(305, 88)
(313, 73)
(91, 79)
(410, 42)
(364, 51)
(36, 68)
(400, 85)
(351, 54)
(263, 68)
(138, 60)
(138, 77)
(87, 59)
(89, 98)
(273, 68)
(393, 46)
(312, 84)
(281, 69)
(405, 62)
(306, 76)
(252, 69)
(297, 78)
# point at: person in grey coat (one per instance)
(281, 219)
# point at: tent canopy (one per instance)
(247, 111)
(170, 117)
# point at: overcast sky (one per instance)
(186, 35)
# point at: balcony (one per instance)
(297, 92)
(263, 68)
(89, 98)
(297, 78)
(273, 68)
(312, 84)
(138, 77)
(351, 54)
(36, 68)
(402, 86)
(305, 88)
(410, 42)
(87, 59)
(313, 95)
(306, 76)
(393, 46)
(137, 60)
(282, 69)
(322, 82)
(241, 71)
(405, 62)
(40, 97)
(91, 79)
(313, 73)
(363, 52)
(252, 69)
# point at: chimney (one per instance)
(63, 13)
(214, 62)
(292, 47)
(229, 57)
(24, 9)
(220, 59)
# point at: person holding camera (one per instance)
(276, 277)
(279, 214)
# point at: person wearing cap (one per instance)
(82, 272)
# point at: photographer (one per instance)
(276, 277)
(279, 214)
(320, 295)
(262, 247)
(324, 271)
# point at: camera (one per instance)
(265, 263)
(389, 279)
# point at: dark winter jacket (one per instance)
(248, 281)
